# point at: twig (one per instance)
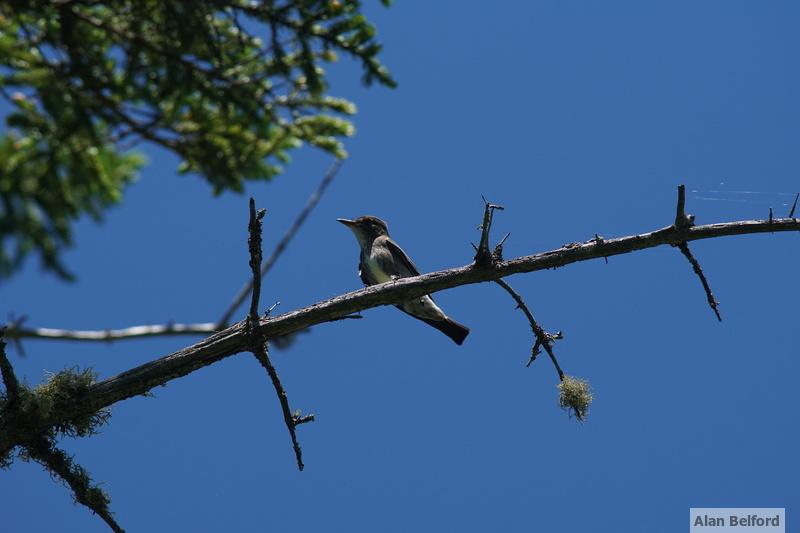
(235, 339)
(15, 322)
(110, 335)
(497, 253)
(9, 378)
(254, 246)
(260, 348)
(684, 248)
(542, 337)
(302, 419)
(684, 222)
(75, 476)
(483, 257)
(312, 201)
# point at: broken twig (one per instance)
(260, 346)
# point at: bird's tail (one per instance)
(451, 328)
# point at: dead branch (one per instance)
(41, 447)
(9, 377)
(110, 335)
(543, 338)
(260, 347)
(683, 221)
(684, 248)
(235, 339)
(483, 257)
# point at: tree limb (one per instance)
(260, 347)
(234, 339)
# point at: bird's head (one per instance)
(366, 228)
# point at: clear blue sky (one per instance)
(578, 117)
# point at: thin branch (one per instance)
(683, 222)
(684, 248)
(111, 335)
(483, 257)
(260, 347)
(234, 339)
(75, 476)
(9, 378)
(254, 246)
(302, 419)
(311, 203)
(543, 338)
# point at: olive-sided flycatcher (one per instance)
(383, 260)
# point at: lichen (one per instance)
(575, 396)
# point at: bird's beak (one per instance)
(347, 222)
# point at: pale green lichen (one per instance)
(575, 396)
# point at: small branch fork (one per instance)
(43, 450)
(684, 222)
(543, 338)
(259, 343)
(575, 394)
(483, 257)
(486, 259)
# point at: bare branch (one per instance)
(682, 220)
(483, 257)
(260, 348)
(234, 339)
(111, 335)
(311, 203)
(254, 245)
(302, 419)
(542, 337)
(9, 377)
(684, 248)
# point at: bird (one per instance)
(383, 260)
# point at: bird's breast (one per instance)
(372, 263)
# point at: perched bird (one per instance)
(383, 260)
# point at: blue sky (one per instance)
(579, 118)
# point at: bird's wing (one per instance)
(401, 256)
(406, 261)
